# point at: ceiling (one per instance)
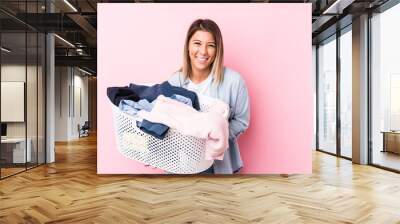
(76, 22)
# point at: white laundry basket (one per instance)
(176, 153)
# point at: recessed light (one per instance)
(5, 50)
(70, 5)
(64, 40)
(337, 7)
(84, 71)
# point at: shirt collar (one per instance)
(187, 80)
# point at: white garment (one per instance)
(233, 91)
(211, 125)
(203, 88)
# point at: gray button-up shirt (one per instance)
(232, 91)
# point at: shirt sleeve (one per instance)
(240, 118)
(174, 80)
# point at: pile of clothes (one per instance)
(162, 106)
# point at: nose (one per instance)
(203, 49)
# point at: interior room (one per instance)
(49, 138)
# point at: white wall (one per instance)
(15, 72)
(71, 102)
(80, 102)
(62, 81)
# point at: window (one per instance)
(327, 96)
(385, 88)
(22, 77)
(346, 93)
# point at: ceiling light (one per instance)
(338, 6)
(84, 71)
(64, 40)
(70, 5)
(5, 50)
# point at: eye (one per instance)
(211, 44)
(197, 43)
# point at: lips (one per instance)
(202, 59)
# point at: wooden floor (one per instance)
(70, 191)
(10, 171)
(387, 159)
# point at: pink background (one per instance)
(269, 44)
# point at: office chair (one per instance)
(84, 130)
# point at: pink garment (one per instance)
(211, 125)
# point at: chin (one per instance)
(202, 67)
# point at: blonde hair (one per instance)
(217, 66)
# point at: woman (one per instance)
(203, 72)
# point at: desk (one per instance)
(17, 150)
(391, 141)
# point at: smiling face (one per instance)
(202, 51)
